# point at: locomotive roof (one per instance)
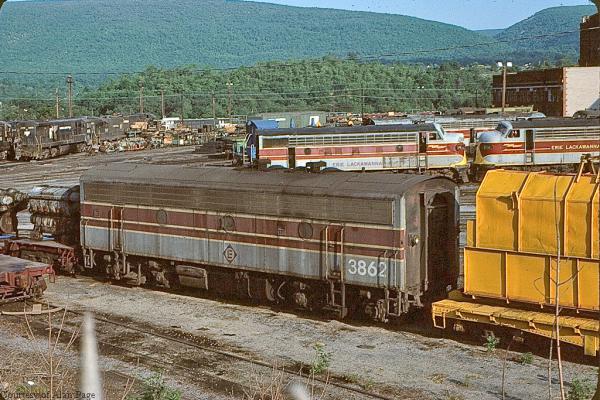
(342, 184)
(350, 129)
(554, 122)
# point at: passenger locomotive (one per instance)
(539, 144)
(403, 147)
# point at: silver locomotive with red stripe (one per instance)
(369, 244)
(402, 147)
(548, 143)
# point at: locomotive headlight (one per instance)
(414, 240)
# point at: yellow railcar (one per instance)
(532, 230)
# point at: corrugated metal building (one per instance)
(295, 119)
(558, 92)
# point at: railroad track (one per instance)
(162, 349)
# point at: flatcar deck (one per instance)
(21, 278)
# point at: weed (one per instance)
(155, 388)
(438, 378)
(491, 343)
(367, 384)
(351, 378)
(580, 390)
(526, 358)
(322, 360)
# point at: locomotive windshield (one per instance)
(505, 128)
(441, 133)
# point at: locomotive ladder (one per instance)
(336, 299)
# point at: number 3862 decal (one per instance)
(364, 268)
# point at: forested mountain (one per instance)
(117, 35)
(126, 35)
(326, 54)
(548, 23)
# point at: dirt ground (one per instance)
(411, 366)
(393, 361)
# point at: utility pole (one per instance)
(70, 95)
(229, 99)
(141, 98)
(181, 103)
(362, 102)
(214, 109)
(57, 104)
(162, 103)
(505, 66)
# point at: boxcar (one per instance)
(375, 244)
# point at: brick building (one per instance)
(589, 38)
(558, 92)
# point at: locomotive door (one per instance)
(116, 229)
(332, 249)
(291, 157)
(530, 146)
(436, 248)
(422, 146)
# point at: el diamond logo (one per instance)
(229, 254)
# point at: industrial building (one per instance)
(589, 39)
(298, 119)
(558, 92)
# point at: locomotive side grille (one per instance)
(567, 134)
(319, 140)
(368, 211)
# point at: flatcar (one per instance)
(22, 279)
(405, 147)
(558, 143)
(376, 244)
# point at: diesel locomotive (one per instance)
(371, 244)
(38, 140)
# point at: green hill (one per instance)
(128, 35)
(547, 22)
(116, 35)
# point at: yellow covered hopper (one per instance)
(526, 222)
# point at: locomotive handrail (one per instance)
(343, 263)
(327, 252)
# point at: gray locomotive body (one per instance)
(377, 244)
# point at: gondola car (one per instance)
(376, 244)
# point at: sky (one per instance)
(472, 14)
